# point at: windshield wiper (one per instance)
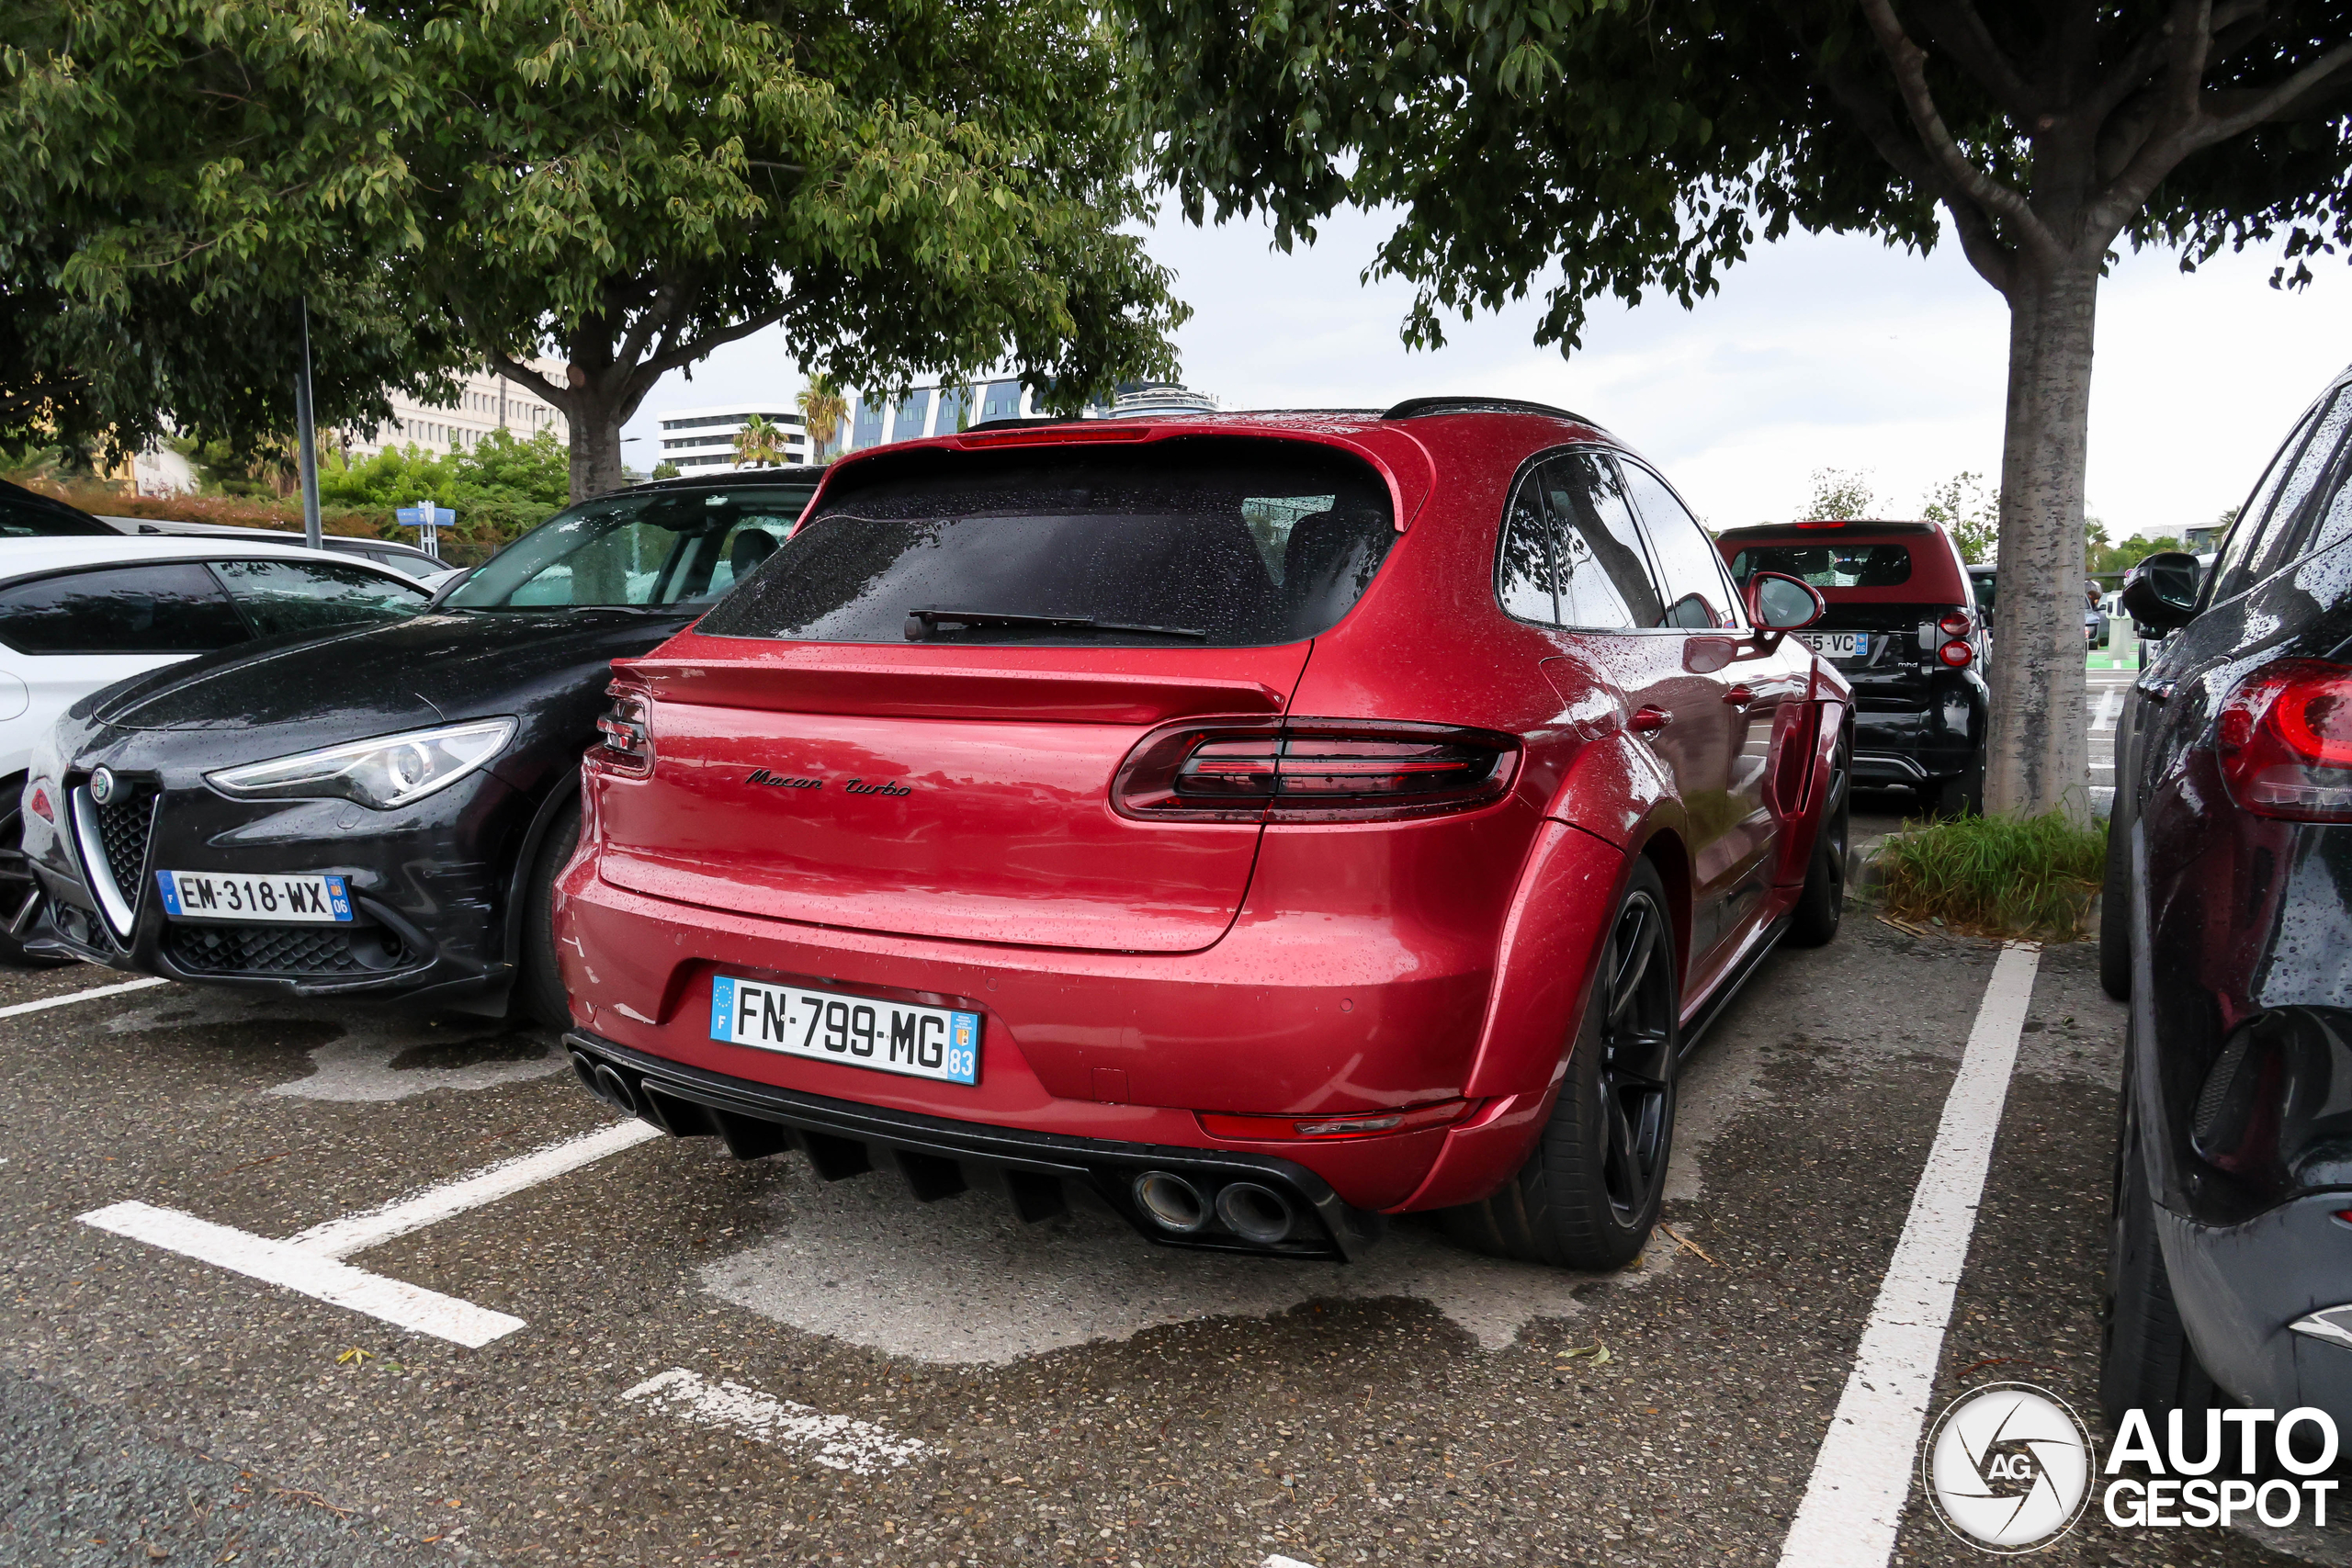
(922, 624)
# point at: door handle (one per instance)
(1739, 696)
(1649, 719)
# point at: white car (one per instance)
(78, 612)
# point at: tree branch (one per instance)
(523, 375)
(1963, 35)
(1910, 62)
(2281, 100)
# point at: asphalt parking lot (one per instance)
(640, 1350)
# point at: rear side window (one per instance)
(290, 597)
(1207, 541)
(2277, 498)
(25, 515)
(170, 608)
(1828, 565)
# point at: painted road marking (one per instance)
(839, 1442)
(357, 1233)
(297, 1268)
(1279, 1561)
(1862, 1477)
(312, 1263)
(89, 995)
(2110, 708)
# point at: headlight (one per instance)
(389, 770)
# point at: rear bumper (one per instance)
(2242, 1287)
(939, 1157)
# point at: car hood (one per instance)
(374, 678)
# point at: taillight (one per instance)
(1354, 1124)
(628, 731)
(2285, 739)
(1312, 769)
(1954, 624)
(1956, 654)
(39, 804)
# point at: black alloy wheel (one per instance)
(1588, 1195)
(1638, 1062)
(20, 892)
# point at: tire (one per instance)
(538, 983)
(1814, 922)
(20, 892)
(2145, 1360)
(1588, 1195)
(2115, 908)
(1962, 795)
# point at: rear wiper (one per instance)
(922, 624)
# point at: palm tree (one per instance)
(823, 408)
(759, 444)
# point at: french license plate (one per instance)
(1838, 645)
(321, 900)
(858, 1031)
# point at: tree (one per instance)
(626, 185)
(666, 470)
(1645, 146)
(160, 227)
(1971, 517)
(759, 444)
(823, 408)
(1838, 494)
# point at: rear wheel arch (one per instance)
(565, 792)
(1665, 850)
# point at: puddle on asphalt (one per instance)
(350, 1052)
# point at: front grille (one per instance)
(124, 826)
(291, 951)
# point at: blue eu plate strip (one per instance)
(170, 892)
(722, 1009)
(338, 898)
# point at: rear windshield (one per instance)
(1210, 542)
(1828, 565)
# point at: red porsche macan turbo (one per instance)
(1265, 823)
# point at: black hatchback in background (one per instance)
(1902, 627)
(2227, 923)
(380, 811)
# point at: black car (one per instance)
(381, 811)
(27, 514)
(1902, 627)
(2227, 923)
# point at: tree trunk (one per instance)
(2040, 753)
(595, 444)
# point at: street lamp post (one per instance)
(308, 437)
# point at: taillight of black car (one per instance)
(2285, 741)
(1312, 769)
(627, 746)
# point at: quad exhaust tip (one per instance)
(607, 1085)
(1174, 1204)
(1256, 1213)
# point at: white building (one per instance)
(488, 402)
(945, 409)
(702, 441)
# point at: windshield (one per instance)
(1208, 541)
(643, 550)
(1982, 582)
(1828, 565)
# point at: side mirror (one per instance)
(1778, 602)
(2161, 592)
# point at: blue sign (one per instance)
(425, 514)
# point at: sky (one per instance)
(1818, 353)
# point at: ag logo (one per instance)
(2008, 1468)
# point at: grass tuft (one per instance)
(2012, 877)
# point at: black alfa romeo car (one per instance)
(381, 811)
(2227, 922)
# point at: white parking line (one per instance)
(1862, 1474)
(2110, 708)
(93, 994)
(296, 1268)
(841, 1442)
(357, 1233)
(312, 1263)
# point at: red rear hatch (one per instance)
(910, 720)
